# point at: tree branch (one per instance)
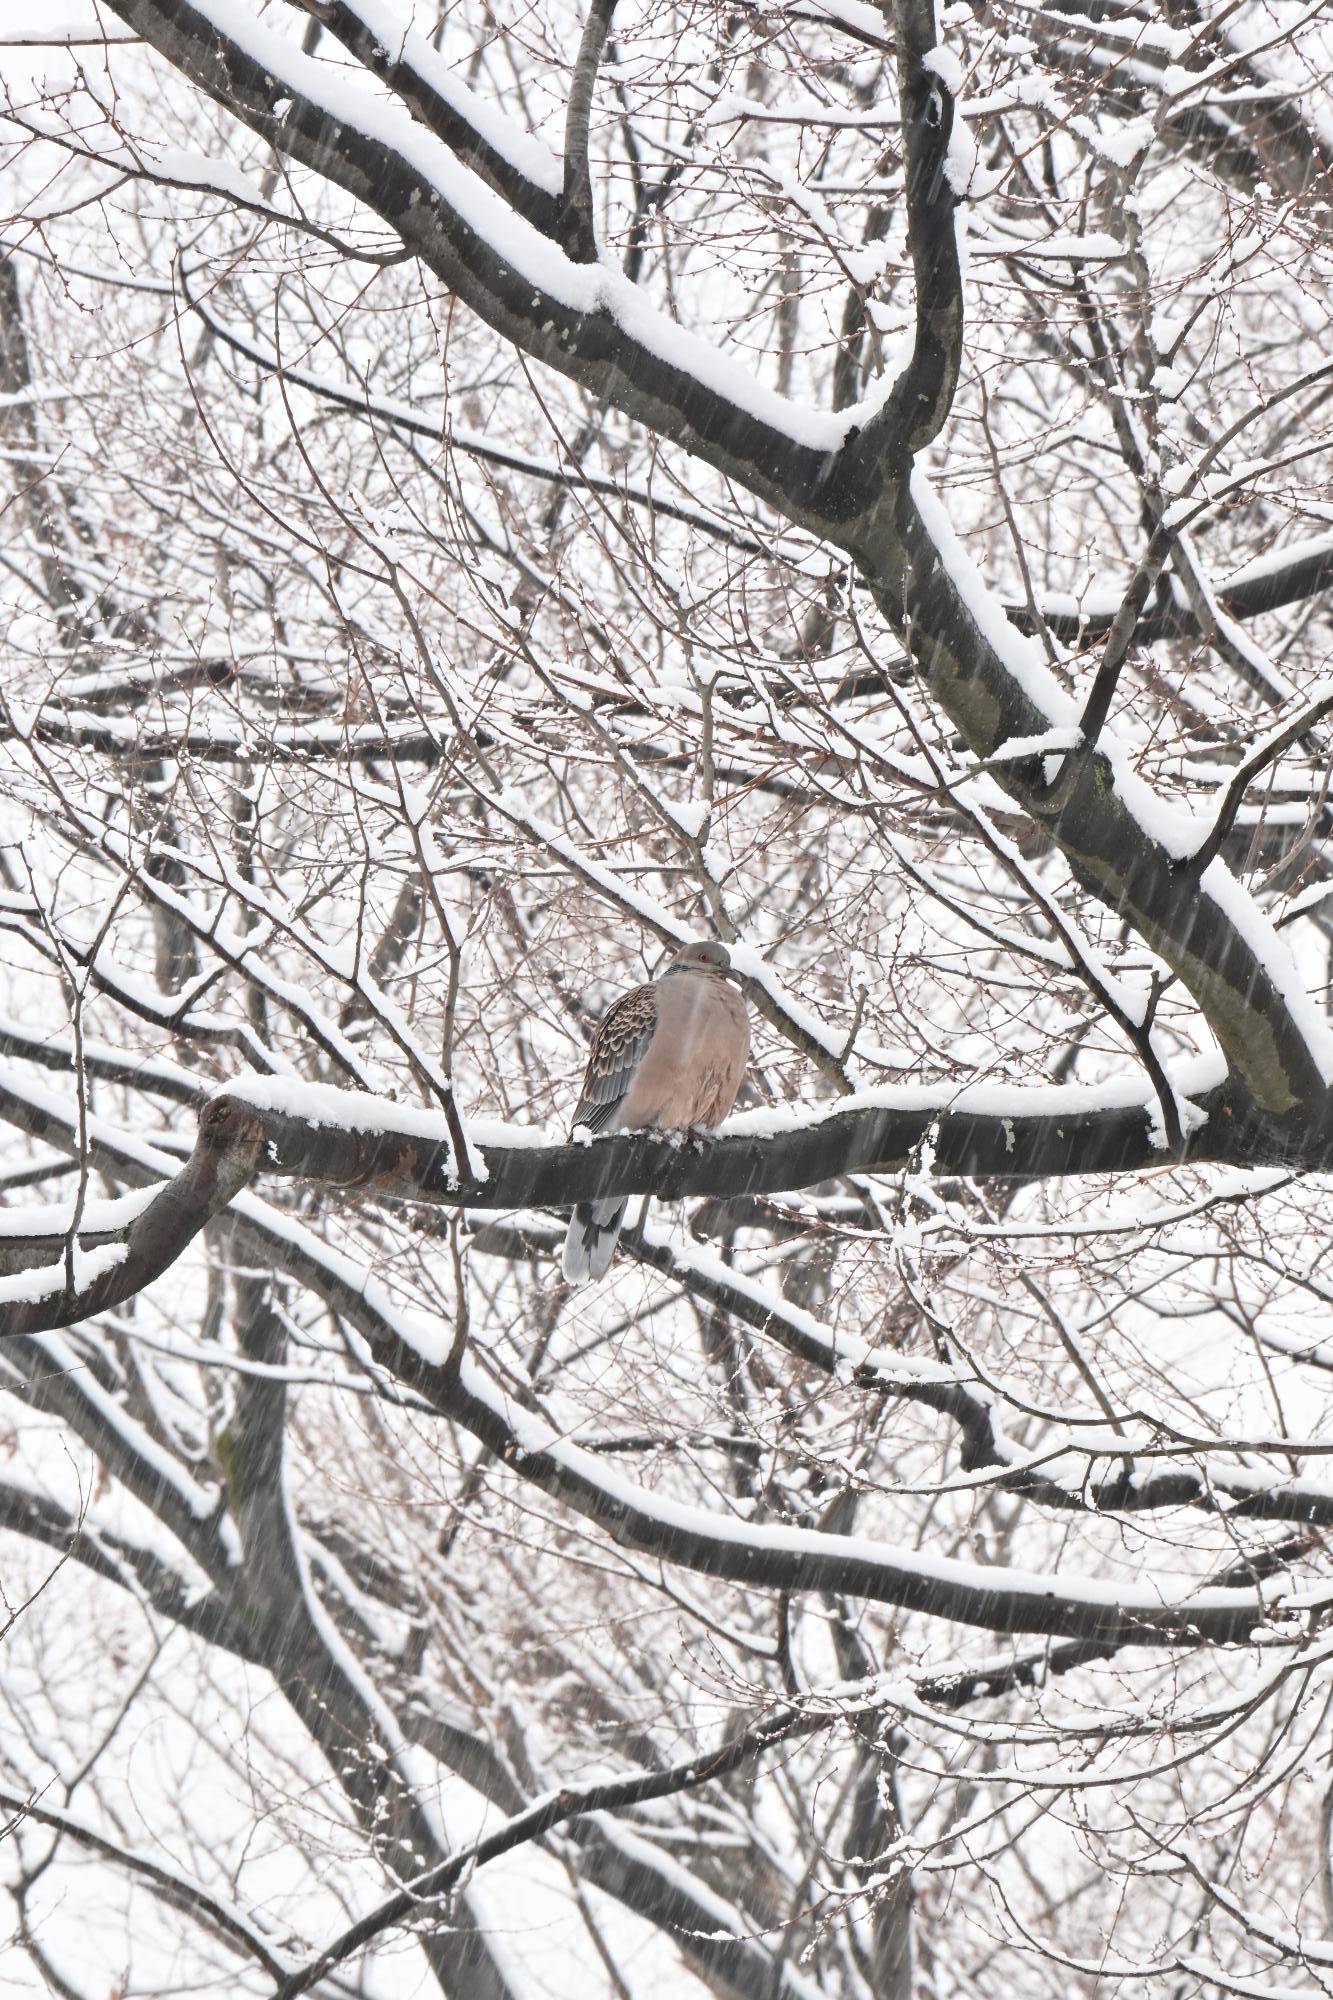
(346, 1140)
(992, 1597)
(225, 1156)
(577, 217)
(613, 1795)
(1013, 1133)
(180, 1890)
(1266, 752)
(519, 168)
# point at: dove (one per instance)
(669, 1055)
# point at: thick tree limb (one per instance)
(585, 321)
(1070, 1130)
(277, 1600)
(1289, 577)
(225, 1156)
(1012, 1134)
(517, 167)
(992, 1598)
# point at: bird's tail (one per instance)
(594, 1228)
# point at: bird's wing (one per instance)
(624, 1036)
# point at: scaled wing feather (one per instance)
(622, 1041)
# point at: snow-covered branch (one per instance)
(1007, 1132)
(761, 1555)
(95, 1271)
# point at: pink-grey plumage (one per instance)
(671, 1055)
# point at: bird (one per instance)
(670, 1054)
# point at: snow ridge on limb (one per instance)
(92, 1277)
(1122, 844)
(1284, 576)
(351, 1140)
(991, 1597)
(520, 168)
(416, 1352)
(348, 1139)
(586, 320)
(1018, 1132)
(994, 685)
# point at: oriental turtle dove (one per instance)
(671, 1055)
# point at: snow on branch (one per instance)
(169, 1591)
(1060, 1472)
(558, 1808)
(989, 1596)
(1288, 575)
(352, 1140)
(214, 1912)
(519, 167)
(1009, 1132)
(993, 1597)
(586, 320)
(1124, 845)
(93, 1276)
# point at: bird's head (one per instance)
(704, 955)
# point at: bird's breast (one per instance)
(694, 1064)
